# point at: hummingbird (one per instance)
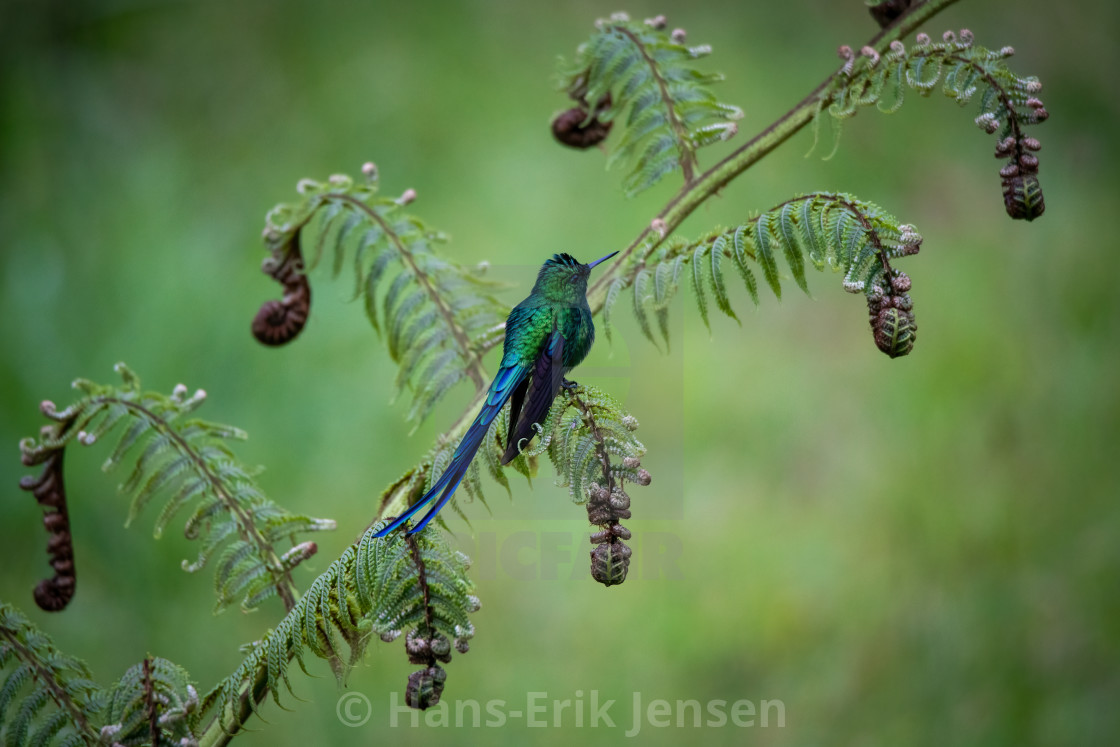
(547, 335)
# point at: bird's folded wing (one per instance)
(548, 375)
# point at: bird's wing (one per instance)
(548, 375)
(515, 403)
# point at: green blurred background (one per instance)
(920, 551)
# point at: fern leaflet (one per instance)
(646, 77)
(46, 697)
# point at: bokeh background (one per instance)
(919, 551)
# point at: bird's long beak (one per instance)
(604, 259)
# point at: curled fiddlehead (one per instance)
(892, 315)
(590, 440)
(279, 321)
(53, 594)
(580, 126)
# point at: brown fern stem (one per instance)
(422, 580)
(150, 701)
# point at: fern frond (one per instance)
(434, 315)
(154, 703)
(1008, 102)
(379, 586)
(46, 697)
(579, 421)
(835, 230)
(186, 460)
(590, 440)
(645, 77)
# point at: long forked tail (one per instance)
(508, 378)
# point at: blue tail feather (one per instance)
(500, 391)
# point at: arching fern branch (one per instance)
(692, 195)
(187, 461)
(1008, 102)
(642, 73)
(436, 317)
(46, 697)
(386, 587)
(834, 230)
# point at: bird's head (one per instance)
(564, 278)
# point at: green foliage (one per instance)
(187, 460)
(834, 230)
(437, 318)
(46, 697)
(656, 91)
(582, 421)
(154, 693)
(379, 586)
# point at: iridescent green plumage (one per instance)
(547, 335)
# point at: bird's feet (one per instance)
(569, 386)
